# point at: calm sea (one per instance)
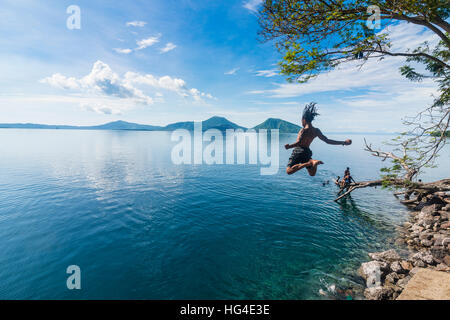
(140, 227)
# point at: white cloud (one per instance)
(267, 73)
(169, 47)
(252, 5)
(136, 24)
(166, 82)
(380, 75)
(144, 43)
(232, 71)
(124, 51)
(104, 91)
(100, 81)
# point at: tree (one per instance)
(316, 36)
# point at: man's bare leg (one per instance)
(313, 168)
(296, 167)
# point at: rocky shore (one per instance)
(426, 238)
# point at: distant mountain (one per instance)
(123, 125)
(283, 126)
(215, 122)
(116, 125)
(220, 123)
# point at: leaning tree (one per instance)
(316, 36)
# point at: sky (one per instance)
(160, 61)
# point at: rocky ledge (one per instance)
(427, 239)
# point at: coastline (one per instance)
(426, 238)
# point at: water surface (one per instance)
(141, 227)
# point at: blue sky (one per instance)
(158, 62)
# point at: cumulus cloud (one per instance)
(110, 93)
(232, 71)
(252, 5)
(176, 85)
(145, 43)
(169, 47)
(136, 24)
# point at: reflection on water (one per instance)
(138, 226)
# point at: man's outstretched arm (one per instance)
(322, 137)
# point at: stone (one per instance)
(442, 267)
(419, 263)
(430, 209)
(396, 267)
(425, 236)
(426, 243)
(406, 265)
(427, 284)
(385, 256)
(372, 272)
(428, 258)
(446, 260)
(414, 271)
(378, 293)
(392, 278)
(407, 225)
(446, 225)
(403, 282)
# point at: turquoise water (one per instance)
(141, 227)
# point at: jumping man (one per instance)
(301, 155)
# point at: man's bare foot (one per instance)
(315, 163)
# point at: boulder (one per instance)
(391, 278)
(445, 225)
(426, 243)
(406, 265)
(446, 260)
(378, 293)
(403, 282)
(396, 267)
(385, 256)
(431, 208)
(372, 272)
(442, 267)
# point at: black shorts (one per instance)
(299, 155)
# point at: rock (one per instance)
(371, 272)
(406, 265)
(426, 243)
(385, 256)
(446, 260)
(442, 267)
(428, 258)
(431, 208)
(414, 271)
(419, 263)
(408, 225)
(392, 278)
(424, 256)
(378, 293)
(396, 267)
(446, 225)
(425, 236)
(403, 282)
